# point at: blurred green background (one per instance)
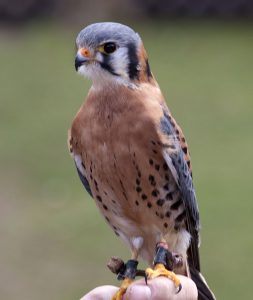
(53, 243)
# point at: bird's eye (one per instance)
(109, 47)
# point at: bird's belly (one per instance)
(135, 191)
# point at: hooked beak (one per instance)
(83, 56)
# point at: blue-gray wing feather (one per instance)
(185, 185)
(84, 181)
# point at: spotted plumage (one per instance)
(130, 153)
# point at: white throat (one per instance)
(103, 79)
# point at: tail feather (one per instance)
(204, 292)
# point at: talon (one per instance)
(179, 288)
(146, 278)
(160, 270)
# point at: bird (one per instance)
(132, 157)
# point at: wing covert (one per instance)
(176, 162)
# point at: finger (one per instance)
(162, 288)
(138, 291)
(101, 293)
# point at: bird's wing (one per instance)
(175, 159)
(84, 180)
(79, 165)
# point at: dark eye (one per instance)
(109, 47)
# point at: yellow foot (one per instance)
(160, 270)
(125, 284)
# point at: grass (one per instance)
(54, 245)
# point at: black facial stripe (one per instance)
(148, 71)
(107, 65)
(133, 71)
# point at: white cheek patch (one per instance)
(99, 57)
(120, 62)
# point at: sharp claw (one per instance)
(179, 288)
(146, 279)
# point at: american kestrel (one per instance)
(132, 156)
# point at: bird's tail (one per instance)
(204, 292)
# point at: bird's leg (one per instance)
(127, 273)
(163, 265)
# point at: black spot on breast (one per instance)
(99, 198)
(107, 219)
(144, 197)
(96, 185)
(116, 233)
(138, 181)
(155, 193)
(136, 202)
(165, 225)
(139, 173)
(138, 189)
(153, 142)
(154, 151)
(157, 167)
(113, 201)
(151, 179)
(166, 187)
(83, 165)
(160, 202)
(151, 162)
(180, 217)
(167, 177)
(185, 150)
(157, 213)
(176, 205)
(105, 207)
(149, 205)
(176, 227)
(169, 196)
(165, 167)
(168, 214)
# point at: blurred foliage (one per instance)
(54, 245)
(80, 10)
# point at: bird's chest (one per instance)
(130, 181)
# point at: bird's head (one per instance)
(111, 52)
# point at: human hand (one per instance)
(159, 288)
